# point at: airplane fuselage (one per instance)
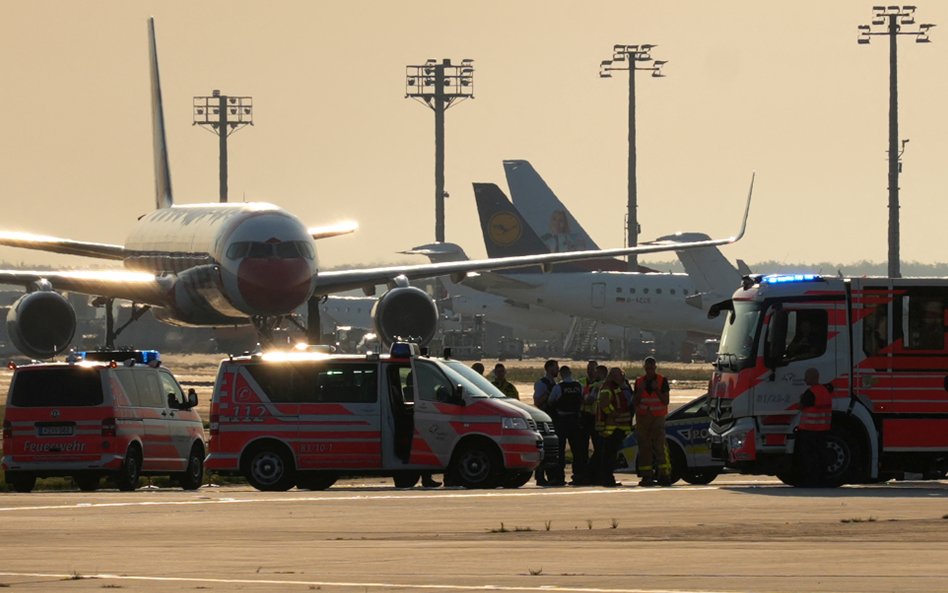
(224, 263)
(654, 302)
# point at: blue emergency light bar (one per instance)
(790, 278)
(405, 350)
(139, 356)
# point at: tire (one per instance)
(843, 457)
(515, 479)
(789, 477)
(700, 477)
(406, 479)
(128, 477)
(87, 482)
(21, 482)
(193, 477)
(315, 480)
(679, 465)
(269, 468)
(476, 465)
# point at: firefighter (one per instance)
(613, 417)
(564, 405)
(500, 381)
(650, 400)
(816, 417)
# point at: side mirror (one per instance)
(192, 398)
(173, 402)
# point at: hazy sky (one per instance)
(780, 88)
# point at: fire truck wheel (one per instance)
(406, 479)
(476, 465)
(515, 479)
(128, 477)
(193, 476)
(315, 480)
(842, 456)
(269, 468)
(21, 482)
(87, 482)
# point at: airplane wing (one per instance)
(135, 286)
(57, 245)
(339, 280)
(342, 228)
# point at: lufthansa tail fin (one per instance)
(163, 195)
(506, 233)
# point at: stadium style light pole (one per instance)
(894, 21)
(222, 115)
(632, 58)
(439, 86)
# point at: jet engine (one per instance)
(41, 324)
(405, 313)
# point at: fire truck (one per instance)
(878, 342)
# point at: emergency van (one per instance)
(304, 418)
(880, 346)
(101, 414)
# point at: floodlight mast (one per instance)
(895, 21)
(222, 115)
(632, 58)
(439, 86)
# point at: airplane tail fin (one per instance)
(537, 202)
(707, 267)
(163, 195)
(506, 233)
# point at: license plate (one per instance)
(56, 431)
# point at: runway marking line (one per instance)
(426, 496)
(364, 585)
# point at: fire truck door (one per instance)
(798, 336)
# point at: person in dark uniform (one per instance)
(564, 405)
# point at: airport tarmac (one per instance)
(739, 534)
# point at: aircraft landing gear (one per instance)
(111, 332)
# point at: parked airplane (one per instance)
(652, 301)
(227, 264)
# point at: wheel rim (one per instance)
(837, 457)
(475, 466)
(267, 468)
(131, 469)
(195, 468)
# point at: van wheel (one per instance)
(315, 480)
(476, 466)
(700, 477)
(269, 469)
(128, 477)
(406, 479)
(87, 482)
(193, 476)
(515, 479)
(21, 482)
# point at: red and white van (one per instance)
(93, 418)
(303, 418)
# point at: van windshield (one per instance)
(65, 386)
(476, 384)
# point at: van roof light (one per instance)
(405, 350)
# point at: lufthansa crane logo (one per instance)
(504, 228)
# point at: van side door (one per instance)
(183, 424)
(158, 451)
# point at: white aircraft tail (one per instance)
(707, 267)
(163, 195)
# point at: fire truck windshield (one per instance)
(737, 342)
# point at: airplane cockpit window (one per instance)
(261, 250)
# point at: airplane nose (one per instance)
(272, 286)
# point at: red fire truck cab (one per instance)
(303, 418)
(879, 342)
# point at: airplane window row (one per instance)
(657, 291)
(281, 250)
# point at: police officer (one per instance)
(613, 418)
(541, 394)
(816, 418)
(564, 404)
(650, 400)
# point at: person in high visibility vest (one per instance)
(816, 419)
(613, 420)
(650, 401)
